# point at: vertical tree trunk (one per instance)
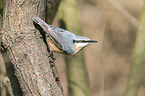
(77, 76)
(51, 8)
(137, 62)
(29, 70)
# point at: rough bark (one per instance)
(29, 70)
(78, 83)
(137, 62)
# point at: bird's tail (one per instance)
(40, 22)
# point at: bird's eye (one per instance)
(61, 31)
(74, 41)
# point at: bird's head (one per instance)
(80, 42)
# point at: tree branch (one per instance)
(26, 50)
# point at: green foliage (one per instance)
(137, 62)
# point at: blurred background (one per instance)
(109, 60)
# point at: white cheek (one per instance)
(81, 45)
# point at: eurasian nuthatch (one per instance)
(62, 41)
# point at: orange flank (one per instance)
(52, 46)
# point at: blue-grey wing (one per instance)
(52, 32)
(66, 39)
(62, 39)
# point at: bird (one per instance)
(62, 41)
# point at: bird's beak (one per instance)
(92, 41)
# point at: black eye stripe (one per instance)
(84, 41)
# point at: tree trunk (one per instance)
(29, 70)
(137, 62)
(78, 83)
(51, 8)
